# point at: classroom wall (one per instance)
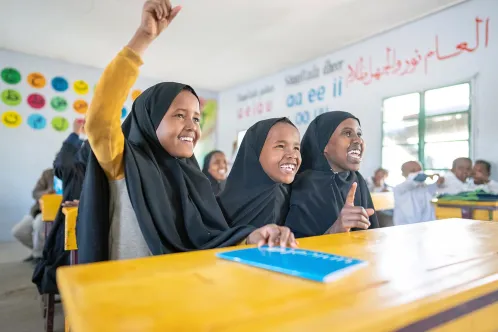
(29, 147)
(354, 79)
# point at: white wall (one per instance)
(452, 26)
(25, 152)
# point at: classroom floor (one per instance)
(20, 309)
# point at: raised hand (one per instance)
(156, 16)
(78, 126)
(351, 216)
(272, 235)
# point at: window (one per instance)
(432, 127)
(240, 137)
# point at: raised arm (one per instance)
(65, 157)
(103, 119)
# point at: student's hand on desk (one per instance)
(73, 203)
(351, 216)
(156, 16)
(272, 235)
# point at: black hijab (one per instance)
(72, 174)
(172, 199)
(216, 186)
(318, 194)
(250, 196)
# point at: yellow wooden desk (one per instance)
(466, 209)
(418, 276)
(383, 201)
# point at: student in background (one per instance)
(329, 195)
(258, 188)
(30, 230)
(455, 181)
(413, 197)
(144, 193)
(70, 147)
(376, 183)
(215, 169)
(70, 166)
(480, 178)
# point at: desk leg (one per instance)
(73, 257)
(467, 212)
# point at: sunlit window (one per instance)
(432, 127)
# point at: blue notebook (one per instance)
(307, 264)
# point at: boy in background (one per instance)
(412, 198)
(377, 183)
(455, 182)
(480, 178)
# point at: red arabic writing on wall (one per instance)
(398, 67)
(256, 109)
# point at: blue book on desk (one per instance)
(307, 264)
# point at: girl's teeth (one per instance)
(289, 167)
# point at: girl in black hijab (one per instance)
(258, 186)
(144, 193)
(329, 194)
(215, 168)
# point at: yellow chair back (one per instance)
(49, 205)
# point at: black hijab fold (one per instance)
(216, 186)
(172, 199)
(319, 194)
(250, 196)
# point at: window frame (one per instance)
(422, 123)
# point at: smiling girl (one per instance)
(215, 168)
(329, 194)
(258, 187)
(144, 193)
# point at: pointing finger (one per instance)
(350, 197)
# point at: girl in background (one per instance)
(215, 168)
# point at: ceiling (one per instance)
(212, 44)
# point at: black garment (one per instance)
(318, 194)
(250, 196)
(69, 166)
(172, 199)
(216, 185)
